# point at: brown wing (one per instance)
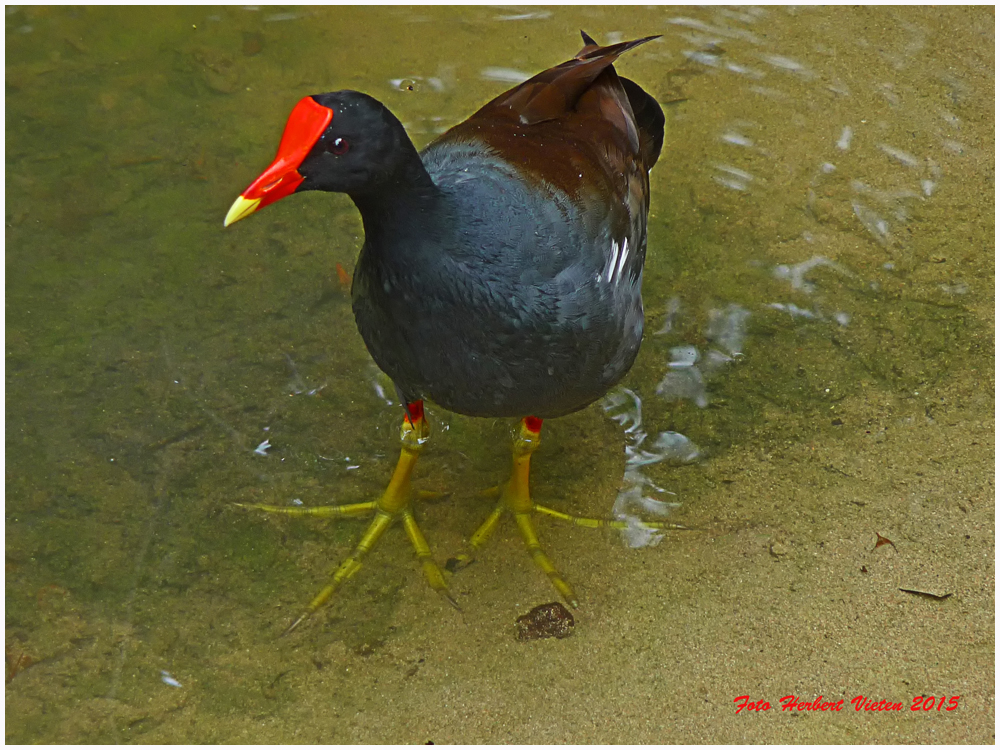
(556, 91)
(570, 125)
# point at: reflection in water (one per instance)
(625, 408)
(819, 297)
(688, 370)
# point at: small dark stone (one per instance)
(253, 43)
(837, 422)
(550, 620)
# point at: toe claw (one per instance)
(298, 621)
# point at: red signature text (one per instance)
(744, 702)
(791, 703)
(860, 703)
(932, 703)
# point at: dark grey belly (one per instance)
(469, 362)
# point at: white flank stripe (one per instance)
(623, 257)
(612, 261)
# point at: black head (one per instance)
(343, 142)
(363, 146)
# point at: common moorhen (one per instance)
(501, 270)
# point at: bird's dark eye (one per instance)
(338, 146)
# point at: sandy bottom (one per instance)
(780, 590)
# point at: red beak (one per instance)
(305, 125)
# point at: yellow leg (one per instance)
(517, 497)
(394, 503)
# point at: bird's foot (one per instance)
(393, 505)
(515, 498)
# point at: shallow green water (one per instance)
(149, 352)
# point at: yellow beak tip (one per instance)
(240, 209)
